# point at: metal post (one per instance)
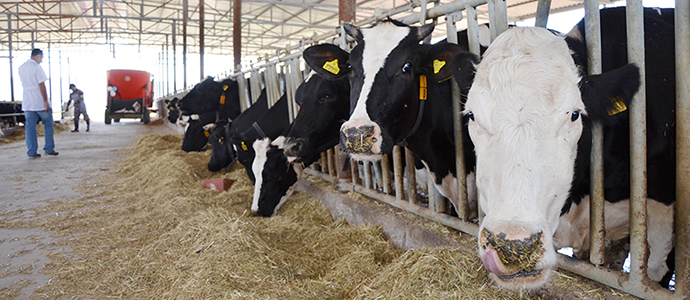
(430, 191)
(638, 146)
(141, 22)
(9, 36)
(346, 11)
(682, 27)
(174, 46)
(50, 81)
(201, 39)
(398, 172)
(184, 43)
(331, 163)
(498, 17)
(543, 8)
(597, 231)
(237, 34)
(354, 172)
(167, 66)
(458, 126)
(386, 174)
(472, 29)
(324, 163)
(367, 174)
(411, 188)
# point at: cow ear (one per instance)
(167, 102)
(608, 95)
(327, 60)
(425, 30)
(352, 31)
(444, 60)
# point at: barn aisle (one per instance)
(27, 184)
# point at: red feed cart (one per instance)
(130, 95)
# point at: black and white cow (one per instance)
(198, 131)
(223, 154)
(532, 106)
(400, 94)
(173, 112)
(324, 106)
(210, 95)
(268, 127)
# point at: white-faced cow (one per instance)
(400, 93)
(269, 126)
(324, 106)
(223, 154)
(532, 106)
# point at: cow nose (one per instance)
(358, 140)
(511, 257)
(293, 146)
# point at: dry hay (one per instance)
(150, 231)
(17, 134)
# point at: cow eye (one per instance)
(470, 115)
(574, 116)
(406, 68)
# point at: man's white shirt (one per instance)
(31, 75)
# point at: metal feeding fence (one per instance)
(284, 75)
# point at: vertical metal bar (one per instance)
(431, 192)
(60, 68)
(498, 17)
(33, 38)
(184, 43)
(354, 171)
(682, 27)
(457, 127)
(411, 188)
(638, 146)
(398, 172)
(174, 46)
(167, 66)
(50, 82)
(331, 163)
(386, 174)
(472, 29)
(9, 37)
(242, 85)
(141, 20)
(201, 39)
(367, 174)
(323, 163)
(543, 8)
(597, 231)
(237, 34)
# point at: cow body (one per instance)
(532, 107)
(323, 107)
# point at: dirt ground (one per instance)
(30, 183)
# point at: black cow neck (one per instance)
(418, 120)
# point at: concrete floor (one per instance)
(29, 183)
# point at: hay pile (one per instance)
(150, 231)
(17, 134)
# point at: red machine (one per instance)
(130, 95)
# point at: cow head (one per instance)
(243, 144)
(223, 153)
(383, 70)
(324, 106)
(528, 107)
(275, 177)
(202, 98)
(198, 131)
(173, 111)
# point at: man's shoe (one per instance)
(35, 156)
(76, 130)
(52, 153)
(87, 130)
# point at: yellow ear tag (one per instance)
(438, 64)
(618, 106)
(222, 99)
(172, 108)
(244, 146)
(332, 66)
(206, 133)
(225, 87)
(422, 87)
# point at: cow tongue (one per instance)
(493, 264)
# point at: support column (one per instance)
(184, 43)
(201, 39)
(174, 43)
(9, 35)
(237, 34)
(346, 11)
(167, 66)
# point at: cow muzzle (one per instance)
(513, 258)
(294, 147)
(363, 140)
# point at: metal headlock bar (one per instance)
(401, 191)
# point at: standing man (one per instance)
(36, 105)
(79, 107)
